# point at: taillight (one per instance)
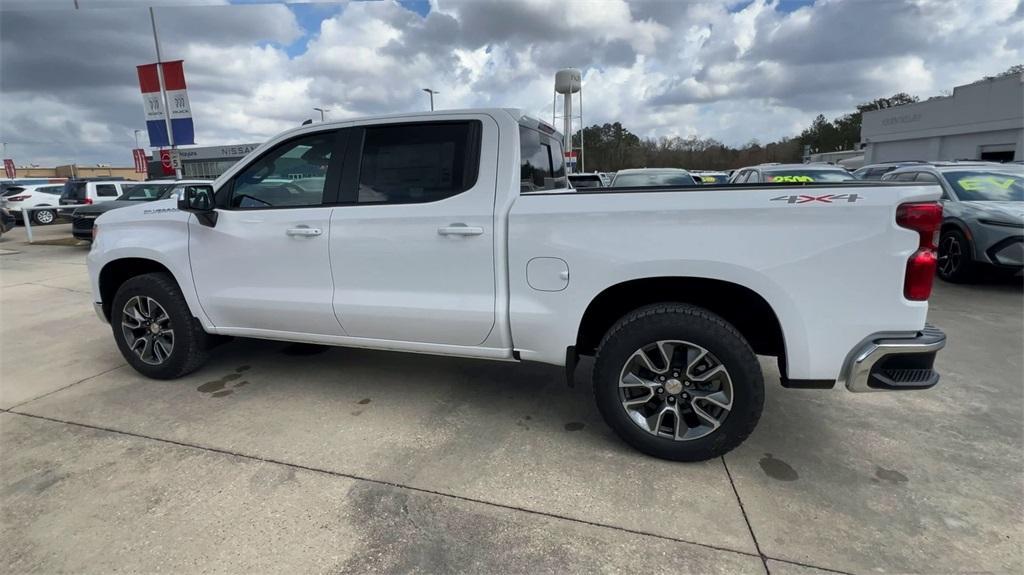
(87, 201)
(17, 198)
(925, 218)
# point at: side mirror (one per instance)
(198, 199)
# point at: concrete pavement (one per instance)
(280, 457)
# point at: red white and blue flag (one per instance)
(177, 100)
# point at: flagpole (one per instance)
(163, 94)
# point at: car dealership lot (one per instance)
(284, 457)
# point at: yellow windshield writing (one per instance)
(790, 179)
(708, 179)
(979, 183)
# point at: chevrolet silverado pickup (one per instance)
(456, 233)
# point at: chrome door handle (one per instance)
(460, 230)
(304, 232)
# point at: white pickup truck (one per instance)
(456, 233)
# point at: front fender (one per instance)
(162, 239)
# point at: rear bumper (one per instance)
(892, 363)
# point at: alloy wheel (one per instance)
(44, 217)
(950, 255)
(676, 390)
(147, 329)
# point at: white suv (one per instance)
(17, 198)
(85, 192)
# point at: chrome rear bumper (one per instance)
(890, 363)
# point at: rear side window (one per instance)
(13, 191)
(416, 163)
(74, 190)
(906, 176)
(542, 166)
(106, 190)
(586, 181)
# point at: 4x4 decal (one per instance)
(826, 199)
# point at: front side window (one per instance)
(292, 175)
(103, 190)
(52, 190)
(541, 165)
(408, 164)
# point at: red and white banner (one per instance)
(141, 166)
(177, 101)
(165, 162)
(9, 168)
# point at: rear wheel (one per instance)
(154, 328)
(44, 217)
(678, 382)
(956, 263)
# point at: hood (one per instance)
(1005, 211)
(158, 210)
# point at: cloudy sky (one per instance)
(734, 70)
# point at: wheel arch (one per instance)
(115, 272)
(739, 305)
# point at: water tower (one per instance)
(568, 82)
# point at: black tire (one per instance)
(698, 326)
(44, 217)
(190, 344)
(956, 259)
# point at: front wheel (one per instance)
(155, 330)
(678, 382)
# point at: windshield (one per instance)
(143, 192)
(586, 181)
(801, 176)
(987, 185)
(652, 179)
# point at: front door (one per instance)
(413, 251)
(264, 265)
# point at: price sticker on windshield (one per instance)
(790, 179)
(979, 183)
(708, 179)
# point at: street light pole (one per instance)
(322, 111)
(163, 92)
(431, 92)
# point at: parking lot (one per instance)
(280, 457)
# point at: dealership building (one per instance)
(980, 121)
(204, 162)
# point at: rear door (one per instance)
(264, 265)
(412, 248)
